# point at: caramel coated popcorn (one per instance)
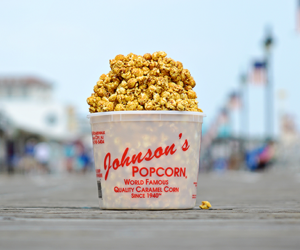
(205, 205)
(149, 82)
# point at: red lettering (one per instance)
(149, 157)
(135, 169)
(160, 175)
(176, 172)
(116, 164)
(182, 172)
(158, 152)
(107, 166)
(167, 172)
(170, 149)
(137, 195)
(171, 189)
(146, 172)
(127, 160)
(137, 158)
(185, 146)
(152, 171)
(98, 133)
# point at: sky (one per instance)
(69, 43)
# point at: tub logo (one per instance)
(139, 158)
(98, 137)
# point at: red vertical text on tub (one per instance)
(98, 137)
(98, 173)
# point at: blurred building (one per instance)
(289, 144)
(28, 105)
(24, 88)
(28, 110)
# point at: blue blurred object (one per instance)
(252, 158)
(220, 165)
(84, 160)
(29, 148)
(259, 64)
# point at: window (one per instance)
(51, 119)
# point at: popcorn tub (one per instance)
(147, 159)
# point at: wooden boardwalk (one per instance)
(260, 211)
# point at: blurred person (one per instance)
(251, 158)
(234, 161)
(57, 158)
(236, 156)
(220, 165)
(262, 157)
(42, 154)
(10, 156)
(267, 156)
(69, 156)
(29, 147)
(90, 154)
(84, 161)
(27, 162)
(2, 154)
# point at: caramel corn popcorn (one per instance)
(148, 82)
(205, 205)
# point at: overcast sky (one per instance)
(70, 43)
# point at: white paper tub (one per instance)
(147, 159)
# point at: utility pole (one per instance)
(243, 116)
(244, 106)
(269, 105)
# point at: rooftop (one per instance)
(24, 81)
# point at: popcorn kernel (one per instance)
(205, 205)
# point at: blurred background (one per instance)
(244, 56)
